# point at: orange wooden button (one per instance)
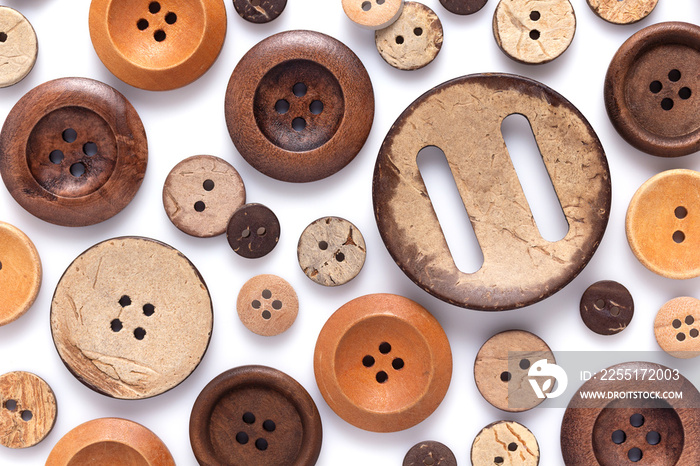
(373, 14)
(27, 409)
(677, 327)
(20, 273)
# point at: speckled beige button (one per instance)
(267, 305)
(18, 47)
(331, 251)
(131, 317)
(201, 193)
(27, 409)
(677, 327)
(373, 14)
(20, 273)
(505, 443)
(622, 11)
(534, 31)
(413, 41)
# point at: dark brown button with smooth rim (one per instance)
(383, 363)
(429, 453)
(18, 46)
(622, 11)
(606, 307)
(505, 443)
(20, 273)
(267, 305)
(27, 409)
(255, 415)
(259, 11)
(463, 7)
(253, 231)
(652, 87)
(74, 152)
(677, 327)
(299, 106)
(131, 318)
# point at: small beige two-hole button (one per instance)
(20, 273)
(373, 14)
(267, 305)
(505, 443)
(27, 409)
(18, 47)
(622, 11)
(677, 327)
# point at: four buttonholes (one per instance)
(512, 446)
(667, 103)
(534, 33)
(267, 296)
(635, 454)
(261, 443)
(689, 320)
(367, 5)
(524, 365)
(681, 213)
(282, 106)
(139, 332)
(69, 136)
(199, 206)
(154, 8)
(11, 406)
(397, 363)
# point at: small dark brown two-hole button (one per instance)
(259, 11)
(253, 231)
(607, 307)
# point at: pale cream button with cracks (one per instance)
(18, 47)
(622, 11)
(373, 14)
(505, 443)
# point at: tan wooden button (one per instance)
(663, 224)
(18, 46)
(27, 409)
(373, 14)
(413, 41)
(429, 453)
(677, 327)
(331, 251)
(131, 317)
(383, 363)
(505, 443)
(622, 11)
(259, 11)
(201, 193)
(502, 370)
(157, 45)
(267, 305)
(20, 273)
(534, 32)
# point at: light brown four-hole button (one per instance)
(267, 305)
(677, 327)
(27, 409)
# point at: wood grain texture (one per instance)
(267, 305)
(20, 273)
(429, 453)
(18, 47)
(622, 11)
(505, 443)
(463, 7)
(259, 11)
(253, 231)
(677, 327)
(606, 307)
(373, 14)
(27, 409)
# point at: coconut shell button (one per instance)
(255, 415)
(157, 45)
(331, 251)
(534, 32)
(651, 89)
(74, 152)
(259, 11)
(607, 307)
(429, 453)
(131, 318)
(677, 327)
(20, 273)
(662, 221)
(18, 46)
(299, 106)
(27, 409)
(373, 14)
(463, 7)
(383, 363)
(622, 11)
(505, 443)
(253, 231)
(463, 118)
(267, 305)
(413, 41)
(200, 195)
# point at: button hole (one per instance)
(261, 444)
(56, 157)
(366, 6)
(322, 245)
(267, 294)
(199, 206)
(27, 415)
(397, 364)
(316, 107)
(149, 309)
(154, 7)
(142, 24)
(418, 31)
(159, 35)
(535, 15)
(619, 437)
(124, 301)
(171, 18)
(266, 315)
(667, 104)
(340, 257)
(299, 89)
(139, 333)
(298, 124)
(685, 93)
(245, 233)
(655, 87)
(382, 377)
(282, 106)
(90, 149)
(680, 212)
(69, 135)
(261, 231)
(208, 185)
(384, 348)
(674, 75)
(11, 405)
(534, 34)
(3, 37)
(242, 438)
(505, 376)
(248, 418)
(368, 361)
(77, 169)
(116, 325)
(678, 236)
(276, 304)
(399, 40)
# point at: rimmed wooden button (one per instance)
(505, 443)
(677, 327)
(18, 46)
(534, 32)
(622, 11)
(201, 193)
(383, 363)
(255, 415)
(267, 305)
(651, 89)
(157, 45)
(259, 11)
(463, 118)
(662, 222)
(27, 409)
(430, 453)
(606, 307)
(463, 7)
(413, 40)
(299, 106)
(373, 14)
(20, 273)
(74, 152)
(502, 370)
(331, 251)
(131, 317)
(253, 231)
(110, 441)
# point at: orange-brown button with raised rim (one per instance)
(18, 46)
(677, 327)
(267, 305)
(383, 363)
(27, 409)
(158, 45)
(20, 273)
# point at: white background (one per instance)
(190, 121)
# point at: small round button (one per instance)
(267, 305)
(677, 327)
(27, 409)
(373, 14)
(18, 46)
(259, 11)
(20, 273)
(607, 307)
(200, 195)
(253, 231)
(463, 7)
(255, 415)
(429, 453)
(505, 443)
(131, 317)
(622, 11)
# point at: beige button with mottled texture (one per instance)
(373, 14)
(20, 273)
(413, 41)
(505, 443)
(27, 409)
(534, 31)
(622, 11)
(677, 327)
(267, 305)
(18, 47)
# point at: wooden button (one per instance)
(383, 363)
(463, 118)
(110, 441)
(267, 305)
(677, 327)
(157, 45)
(27, 409)
(74, 152)
(255, 415)
(662, 220)
(200, 195)
(413, 41)
(20, 273)
(502, 369)
(505, 443)
(622, 11)
(131, 318)
(534, 32)
(18, 46)
(373, 14)
(651, 89)
(463, 7)
(606, 307)
(299, 106)
(429, 453)
(259, 11)
(331, 251)
(253, 231)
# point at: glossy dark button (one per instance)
(255, 415)
(299, 106)
(18, 47)
(505, 443)
(463, 7)
(429, 453)
(267, 305)
(27, 409)
(20, 273)
(253, 231)
(677, 327)
(259, 11)
(622, 11)
(652, 89)
(74, 152)
(607, 307)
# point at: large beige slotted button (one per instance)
(373, 14)
(20, 273)
(622, 11)
(18, 47)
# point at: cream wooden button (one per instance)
(373, 14)
(20, 273)
(267, 305)
(413, 41)
(622, 11)
(18, 47)
(677, 327)
(534, 32)
(27, 409)
(505, 443)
